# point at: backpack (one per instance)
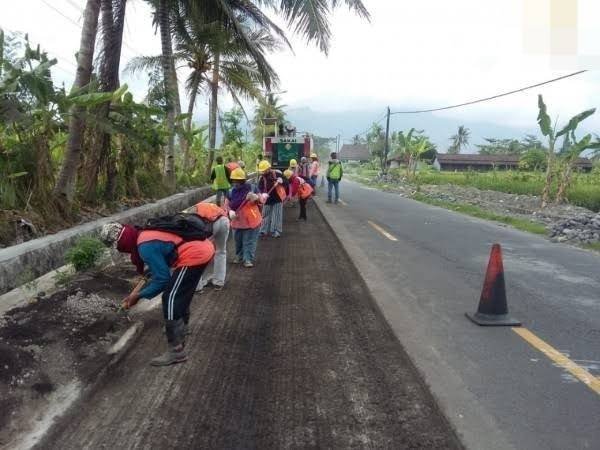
(189, 227)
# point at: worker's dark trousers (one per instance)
(178, 295)
(302, 202)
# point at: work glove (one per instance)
(302, 181)
(279, 181)
(251, 197)
(264, 197)
(232, 215)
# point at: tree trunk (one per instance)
(549, 175)
(212, 115)
(113, 19)
(188, 125)
(64, 190)
(564, 183)
(171, 91)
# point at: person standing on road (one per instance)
(335, 172)
(270, 182)
(296, 188)
(215, 272)
(160, 252)
(244, 212)
(220, 179)
(314, 170)
(304, 169)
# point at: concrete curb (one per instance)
(42, 255)
(474, 427)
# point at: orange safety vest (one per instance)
(281, 192)
(210, 211)
(232, 166)
(304, 191)
(247, 217)
(194, 253)
(155, 235)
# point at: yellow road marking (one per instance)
(577, 371)
(382, 231)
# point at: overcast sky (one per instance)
(413, 54)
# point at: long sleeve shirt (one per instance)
(158, 256)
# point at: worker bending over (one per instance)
(160, 252)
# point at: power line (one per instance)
(75, 5)
(57, 11)
(78, 25)
(369, 129)
(490, 98)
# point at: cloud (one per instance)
(413, 54)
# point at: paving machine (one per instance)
(281, 143)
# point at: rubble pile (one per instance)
(579, 229)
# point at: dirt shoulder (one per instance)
(55, 342)
(291, 354)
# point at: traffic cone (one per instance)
(493, 309)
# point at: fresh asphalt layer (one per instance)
(497, 389)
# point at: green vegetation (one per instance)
(584, 190)
(470, 210)
(593, 246)
(85, 253)
(93, 145)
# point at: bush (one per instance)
(85, 253)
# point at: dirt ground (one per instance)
(55, 340)
(291, 354)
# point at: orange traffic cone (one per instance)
(493, 309)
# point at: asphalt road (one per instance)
(292, 354)
(498, 390)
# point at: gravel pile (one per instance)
(88, 306)
(580, 229)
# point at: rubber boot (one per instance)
(176, 353)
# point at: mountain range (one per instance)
(438, 128)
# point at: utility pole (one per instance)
(387, 142)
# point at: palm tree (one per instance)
(99, 155)
(216, 60)
(310, 18)
(460, 140)
(268, 107)
(64, 190)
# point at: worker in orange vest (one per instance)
(215, 272)
(300, 189)
(246, 218)
(231, 164)
(160, 252)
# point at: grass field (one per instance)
(584, 192)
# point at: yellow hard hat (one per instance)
(313, 155)
(293, 163)
(238, 174)
(264, 165)
(288, 173)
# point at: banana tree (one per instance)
(549, 131)
(568, 160)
